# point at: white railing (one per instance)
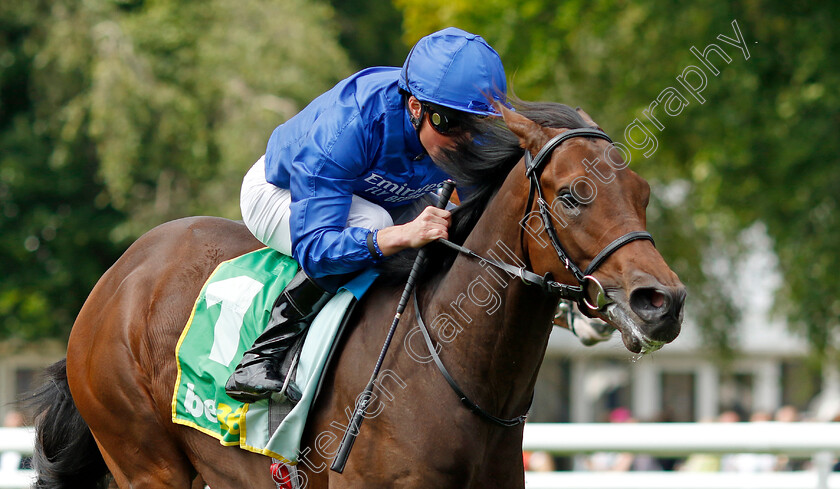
(22, 441)
(821, 441)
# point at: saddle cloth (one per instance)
(230, 312)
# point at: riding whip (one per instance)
(361, 408)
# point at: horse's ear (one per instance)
(530, 133)
(587, 119)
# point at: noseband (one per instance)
(578, 293)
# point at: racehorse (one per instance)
(491, 329)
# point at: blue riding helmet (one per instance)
(455, 69)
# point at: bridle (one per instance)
(533, 170)
(577, 293)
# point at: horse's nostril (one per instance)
(657, 299)
(660, 308)
(648, 303)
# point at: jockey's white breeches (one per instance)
(265, 210)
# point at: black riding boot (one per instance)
(258, 374)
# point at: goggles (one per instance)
(444, 121)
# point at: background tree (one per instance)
(756, 154)
(371, 32)
(116, 116)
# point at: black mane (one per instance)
(479, 167)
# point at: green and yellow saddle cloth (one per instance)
(229, 314)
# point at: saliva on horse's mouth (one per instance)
(631, 335)
(639, 345)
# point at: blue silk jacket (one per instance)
(354, 139)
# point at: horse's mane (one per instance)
(479, 166)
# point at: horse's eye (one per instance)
(569, 201)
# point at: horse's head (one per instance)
(593, 200)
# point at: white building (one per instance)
(21, 367)
(682, 382)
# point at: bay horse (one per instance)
(107, 410)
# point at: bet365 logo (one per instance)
(225, 415)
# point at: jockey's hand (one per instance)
(430, 225)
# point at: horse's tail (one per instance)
(66, 455)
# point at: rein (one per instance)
(472, 406)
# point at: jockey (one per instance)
(333, 176)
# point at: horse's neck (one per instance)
(498, 327)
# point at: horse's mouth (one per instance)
(631, 333)
(640, 345)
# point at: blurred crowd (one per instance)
(700, 462)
